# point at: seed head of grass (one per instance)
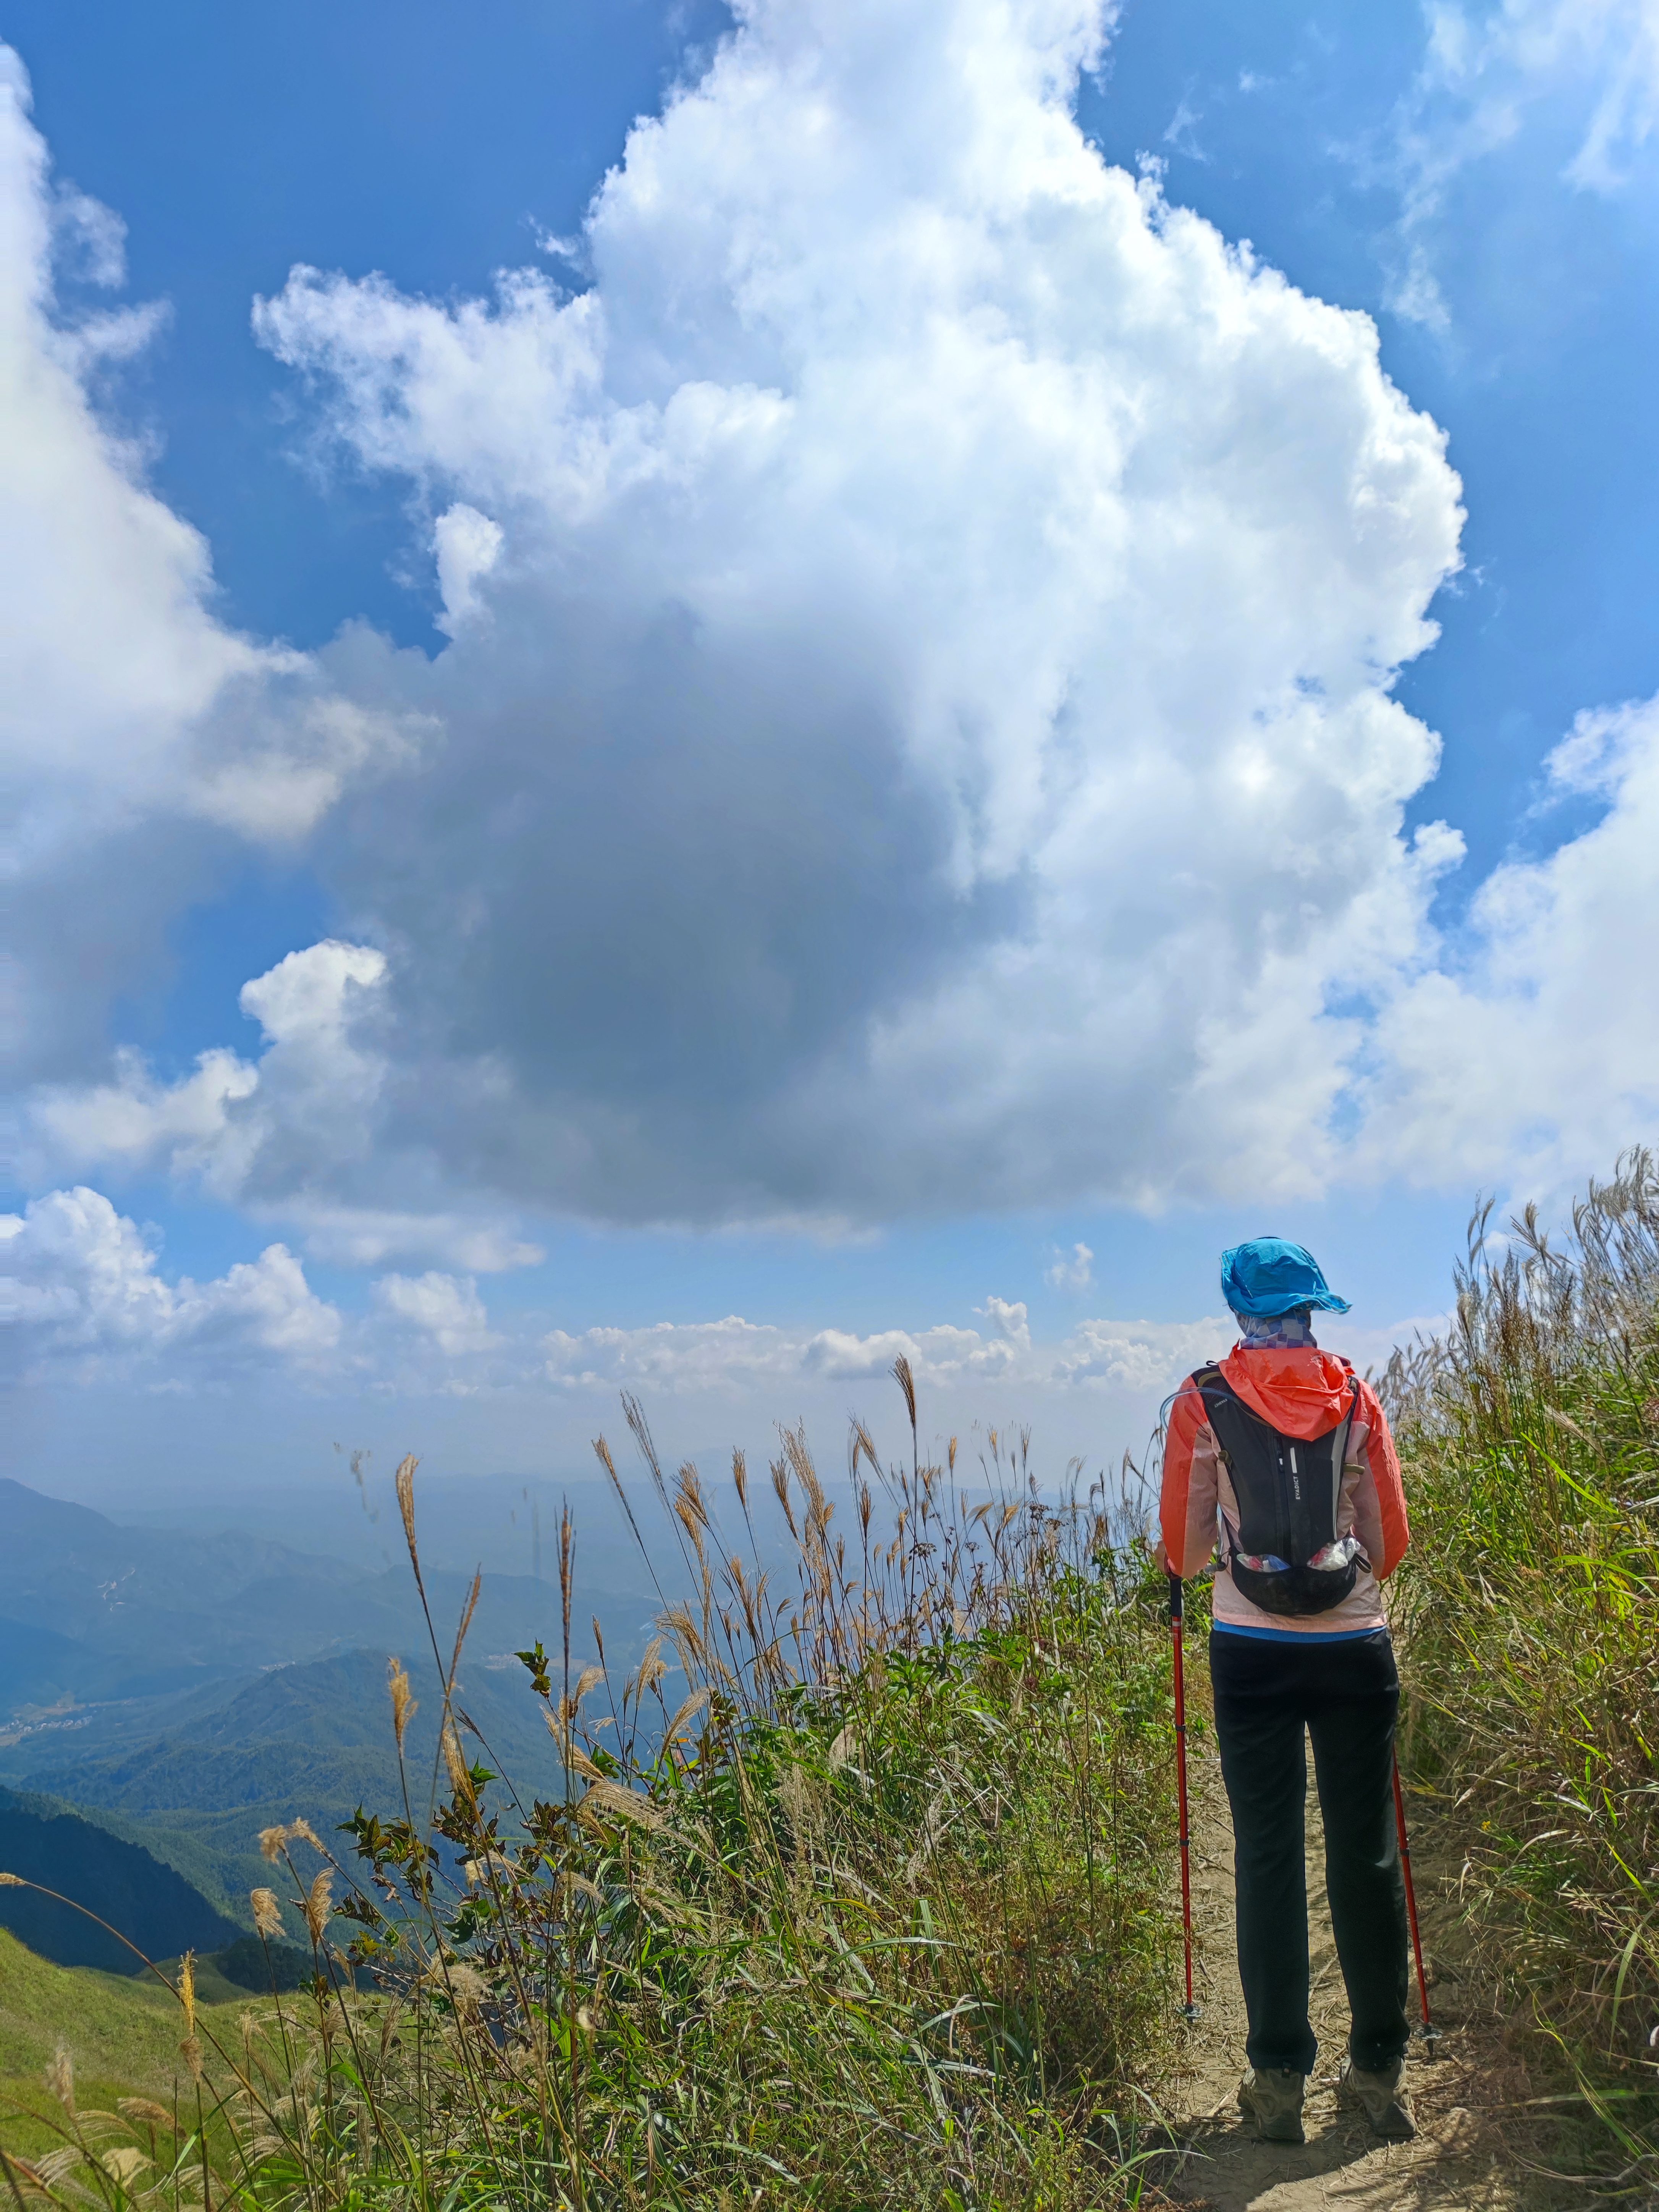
(461, 1779)
(464, 1985)
(273, 1842)
(405, 1486)
(145, 2111)
(404, 1705)
(651, 1669)
(688, 1710)
(604, 1796)
(316, 1904)
(907, 1382)
(60, 2076)
(267, 1913)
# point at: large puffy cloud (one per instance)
(924, 622)
(919, 729)
(141, 734)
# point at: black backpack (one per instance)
(1288, 1557)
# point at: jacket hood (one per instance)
(1295, 1389)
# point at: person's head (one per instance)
(1268, 1278)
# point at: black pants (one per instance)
(1346, 1695)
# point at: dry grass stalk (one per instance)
(469, 1608)
(317, 1903)
(1526, 1604)
(460, 1779)
(603, 1795)
(403, 1705)
(688, 1710)
(273, 1842)
(405, 1481)
(60, 2076)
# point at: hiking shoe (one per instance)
(1273, 2101)
(1379, 2097)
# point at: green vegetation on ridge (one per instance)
(122, 2036)
(1528, 1612)
(877, 1915)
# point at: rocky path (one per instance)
(1467, 2156)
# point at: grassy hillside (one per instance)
(876, 1916)
(122, 2036)
(1527, 1606)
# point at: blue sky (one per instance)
(742, 935)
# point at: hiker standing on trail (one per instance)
(1280, 1456)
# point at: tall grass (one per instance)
(1529, 1612)
(870, 1910)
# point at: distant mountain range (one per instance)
(175, 1693)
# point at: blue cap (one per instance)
(1267, 1276)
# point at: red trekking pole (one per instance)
(1189, 2010)
(1431, 2033)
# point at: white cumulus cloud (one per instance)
(138, 730)
(1537, 1047)
(84, 1295)
(304, 1133)
(79, 1283)
(737, 1357)
(932, 739)
(445, 1308)
(918, 733)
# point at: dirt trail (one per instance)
(1461, 2159)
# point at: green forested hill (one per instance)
(146, 1900)
(312, 1740)
(184, 1692)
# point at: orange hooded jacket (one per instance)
(1301, 1392)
